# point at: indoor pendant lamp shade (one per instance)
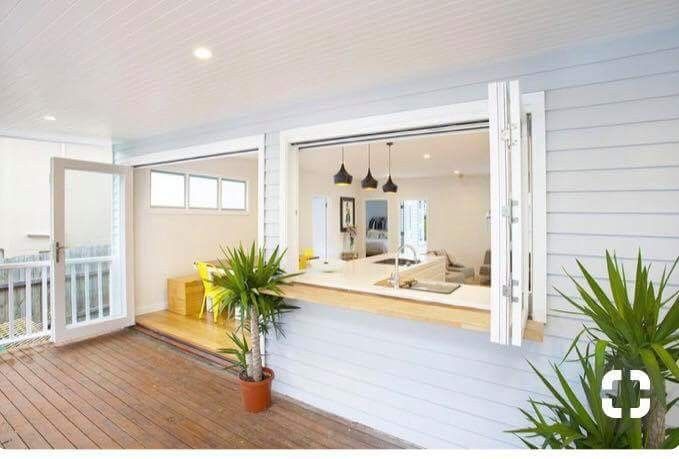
(390, 186)
(342, 177)
(369, 182)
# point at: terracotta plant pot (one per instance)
(256, 395)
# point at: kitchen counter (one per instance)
(363, 274)
(353, 286)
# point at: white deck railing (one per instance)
(32, 279)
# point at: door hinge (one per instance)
(508, 210)
(508, 291)
(511, 135)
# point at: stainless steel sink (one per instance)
(444, 288)
(401, 262)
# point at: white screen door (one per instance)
(91, 275)
(509, 305)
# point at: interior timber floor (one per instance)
(128, 390)
(207, 336)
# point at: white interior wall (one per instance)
(168, 241)
(313, 184)
(457, 208)
(457, 212)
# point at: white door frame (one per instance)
(60, 332)
(401, 231)
(533, 103)
(327, 200)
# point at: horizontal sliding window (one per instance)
(234, 195)
(203, 192)
(168, 189)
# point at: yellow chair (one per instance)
(304, 258)
(209, 289)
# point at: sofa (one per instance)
(455, 272)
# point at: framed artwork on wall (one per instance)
(347, 213)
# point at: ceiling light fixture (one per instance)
(49, 118)
(456, 172)
(390, 186)
(342, 177)
(202, 53)
(369, 182)
(426, 156)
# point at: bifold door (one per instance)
(91, 275)
(508, 188)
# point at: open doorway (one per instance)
(26, 239)
(185, 212)
(377, 227)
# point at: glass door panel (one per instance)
(91, 221)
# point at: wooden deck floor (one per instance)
(127, 390)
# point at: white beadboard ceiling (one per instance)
(123, 69)
(465, 152)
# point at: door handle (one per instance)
(57, 249)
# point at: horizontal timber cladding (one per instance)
(612, 183)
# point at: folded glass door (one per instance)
(508, 189)
(91, 275)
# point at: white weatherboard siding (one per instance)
(612, 182)
(271, 192)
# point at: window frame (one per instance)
(218, 191)
(289, 143)
(184, 193)
(187, 208)
(245, 197)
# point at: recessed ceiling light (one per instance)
(456, 172)
(426, 156)
(202, 53)
(49, 118)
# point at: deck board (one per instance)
(128, 390)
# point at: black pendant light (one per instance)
(390, 186)
(342, 177)
(369, 182)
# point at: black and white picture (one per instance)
(347, 213)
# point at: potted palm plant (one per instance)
(249, 290)
(630, 331)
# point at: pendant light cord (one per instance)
(389, 145)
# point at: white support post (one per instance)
(111, 293)
(87, 292)
(100, 290)
(10, 302)
(43, 297)
(28, 295)
(74, 296)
